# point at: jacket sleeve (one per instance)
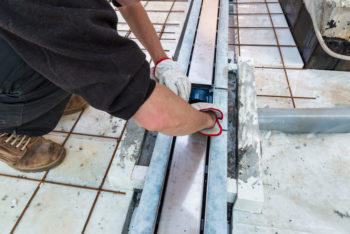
(120, 3)
(75, 45)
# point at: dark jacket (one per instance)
(75, 45)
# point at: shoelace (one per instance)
(22, 140)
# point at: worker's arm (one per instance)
(166, 71)
(169, 114)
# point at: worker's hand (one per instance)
(217, 114)
(167, 73)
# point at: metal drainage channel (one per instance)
(187, 173)
(175, 195)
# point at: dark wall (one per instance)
(303, 32)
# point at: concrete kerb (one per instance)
(250, 196)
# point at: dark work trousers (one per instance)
(29, 104)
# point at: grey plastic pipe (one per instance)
(315, 120)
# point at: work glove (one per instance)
(167, 73)
(216, 130)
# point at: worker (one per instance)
(55, 48)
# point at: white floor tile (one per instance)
(254, 21)
(251, 8)
(5, 169)
(66, 122)
(158, 6)
(330, 88)
(285, 37)
(273, 102)
(158, 28)
(169, 47)
(262, 56)
(257, 36)
(99, 123)
(271, 82)
(291, 57)
(275, 8)
(172, 28)
(57, 209)
(123, 27)
(110, 213)
(157, 17)
(180, 6)
(14, 195)
(86, 161)
(176, 18)
(132, 36)
(169, 35)
(279, 21)
(122, 33)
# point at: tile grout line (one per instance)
(102, 183)
(287, 68)
(167, 24)
(280, 52)
(164, 39)
(165, 11)
(278, 96)
(256, 27)
(254, 2)
(61, 184)
(124, 30)
(43, 178)
(258, 13)
(263, 45)
(159, 11)
(86, 134)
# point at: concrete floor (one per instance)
(306, 185)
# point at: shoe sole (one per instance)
(75, 110)
(54, 164)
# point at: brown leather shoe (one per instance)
(75, 105)
(30, 154)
